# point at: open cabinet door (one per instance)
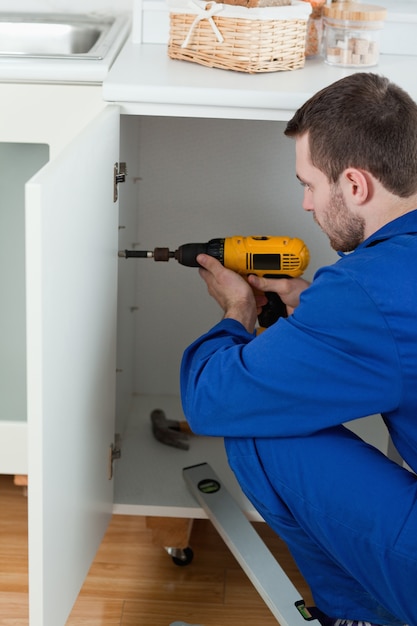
(71, 293)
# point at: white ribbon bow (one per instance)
(206, 13)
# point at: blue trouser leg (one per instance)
(348, 515)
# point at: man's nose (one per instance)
(307, 200)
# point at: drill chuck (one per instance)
(162, 254)
(188, 252)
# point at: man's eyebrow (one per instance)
(304, 183)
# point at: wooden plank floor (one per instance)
(135, 583)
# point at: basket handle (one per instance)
(206, 13)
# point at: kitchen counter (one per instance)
(144, 80)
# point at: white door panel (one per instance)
(71, 292)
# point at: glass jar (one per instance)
(314, 28)
(352, 33)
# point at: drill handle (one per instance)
(272, 310)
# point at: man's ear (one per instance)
(357, 185)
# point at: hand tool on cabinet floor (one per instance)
(246, 545)
(270, 257)
(170, 432)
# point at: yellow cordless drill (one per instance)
(270, 257)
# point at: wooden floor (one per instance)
(134, 583)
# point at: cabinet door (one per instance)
(71, 285)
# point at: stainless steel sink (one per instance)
(57, 36)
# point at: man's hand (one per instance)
(288, 289)
(232, 292)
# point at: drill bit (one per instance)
(158, 254)
(142, 254)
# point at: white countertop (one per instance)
(144, 80)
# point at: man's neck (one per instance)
(387, 208)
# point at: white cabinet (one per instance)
(189, 179)
(71, 304)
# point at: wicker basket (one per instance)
(240, 39)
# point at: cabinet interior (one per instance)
(193, 180)
(189, 180)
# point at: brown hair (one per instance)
(363, 121)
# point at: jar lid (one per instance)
(354, 11)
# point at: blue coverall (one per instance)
(347, 512)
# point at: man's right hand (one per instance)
(231, 291)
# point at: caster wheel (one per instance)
(184, 558)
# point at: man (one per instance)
(347, 350)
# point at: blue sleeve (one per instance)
(332, 361)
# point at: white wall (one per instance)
(67, 6)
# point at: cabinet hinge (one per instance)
(115, 452)
(119, 176)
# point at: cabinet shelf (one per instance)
(148, 477)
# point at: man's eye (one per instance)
(305, 185)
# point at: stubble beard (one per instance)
(344, 229)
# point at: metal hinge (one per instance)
(115, 452)
(119, 176)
